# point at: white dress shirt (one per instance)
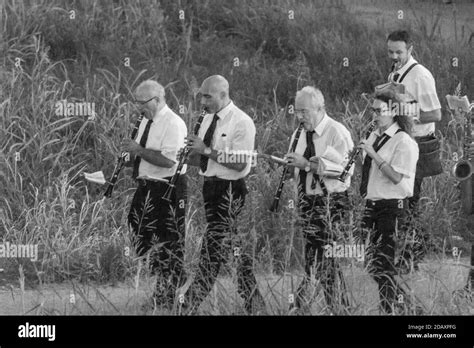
(420, 84)
(401, 152)
(235, 131)
(328, 133)
(167, 133)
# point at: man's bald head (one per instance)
(214, 93)
(216, 84)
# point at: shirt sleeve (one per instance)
(426, 93)
(405, 157)
(343, 144)
(173, 140)
(244, 138)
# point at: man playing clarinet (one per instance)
(323, 141)
(158, 225)
(225, 129)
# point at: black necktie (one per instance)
(308, 153)
(143, 140)
(379, 142)
(207, 141)
(395, 77)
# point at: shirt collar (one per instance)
(390, 131)
(161, 113)
(322, 124)
(225, 111)
(404, 68)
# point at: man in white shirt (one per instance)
(419, 84)
(225, 130)
(156, 224)
(323, 140)
(388, 173)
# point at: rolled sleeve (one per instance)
(172, 142)
(426, 93)
(404, 159)
(344, 145)
(244, 138)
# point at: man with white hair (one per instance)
(323, 142)
(225, 129)
(158, 226)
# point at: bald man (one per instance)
(225, 130)
(157, 225)
(323, 140)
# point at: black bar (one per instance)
(196, 330)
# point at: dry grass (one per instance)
(83, 239)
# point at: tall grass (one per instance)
(44, 199)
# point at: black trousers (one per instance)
(317, 214)
(223, 202)
(158, 227)
(415, 238)
(380, 217)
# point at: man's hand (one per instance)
(129, 145)
(367, 148)
(296, 160)
(195, 143)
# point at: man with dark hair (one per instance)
(419, 84)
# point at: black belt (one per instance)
(384, 202)
(148, 182)
(334, 195)
(215, 178)
(424, 137)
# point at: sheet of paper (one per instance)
(96, 177)
(458, 103)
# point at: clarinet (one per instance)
(276, 197)
(181, 160)
(354, 155)
(121, 160)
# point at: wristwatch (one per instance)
(307, 169)
(207, 151)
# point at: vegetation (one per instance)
(80, 50)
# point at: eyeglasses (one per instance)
(143, 102)
(301, 112)
(378, 111)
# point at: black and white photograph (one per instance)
(169, 163)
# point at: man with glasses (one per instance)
(323, 143)
(157, 225)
